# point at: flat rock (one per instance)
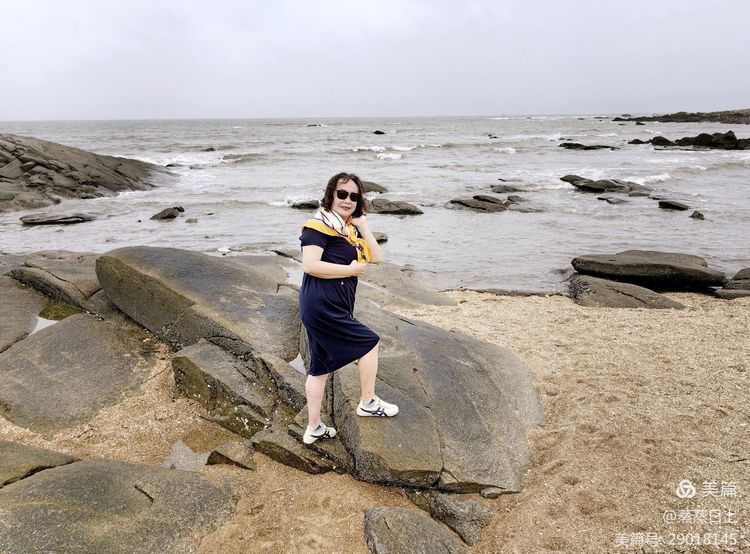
(602, 293)
(61, 376)
(65, 276)
(396, 207)
(71, 508)
(390, 284)
(390, 530)
(306, 205)
(501, 189)
(731, 294)
(232, 452)
(38, 173)
(20, 307)
(331, 450)
(56, 219)
(478, 203)
(276, 443)
(18, 461)
(182, 457)
(369, 186)
(612, 199)
(465, 517)
(168, 213)
(579, 146)
(673, 205)
(653, 269)
(465, 406)
(600, 185)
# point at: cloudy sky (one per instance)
(78, 59)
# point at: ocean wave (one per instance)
(371, 148)
(402, 148)
(503, 118)
(242, 158)
(660, 178)
(382, 156)
(607, 135)
(505, 150)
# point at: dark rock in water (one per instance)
(306, 205)
(660, 141)
(72, 507)
(369, 186)
(639, 123)
(37, 173)
(168, 213)
(465, 517)
(657, 270)
(515, 199)
(727, 116)
(390, 530)
(18, 461)
(68, 358)
(480, 203)
(638, 141)
(612, 199)
(600, 186)
(634, 189)
(574, 179)
(191, 220)
(578, 146)
(740, 280)
(20, 307)
(233, 452)
(731, 294)
(602, 293)
(697, 215)
(58, 219)
(209, 149)
(673, 205)
(380, 237)
(722, 141)
(378, 132)
(502, 189)
(397, 207)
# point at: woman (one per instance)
(337, 245)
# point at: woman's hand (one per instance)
(357, 268)
(360, 222)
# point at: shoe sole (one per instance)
(313, 438)
(365, 413)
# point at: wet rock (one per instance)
(480, 203)
(673, 205)
(653, 269)
(612, 199)
(697, 215)
(56, 219)
(578, 146)
(727, 116)
(502, 189)
(306, 205)
(574, 179)
(397, 207)
(18, 461)
(602, 293)
(168, 213)
(601, 185)
(390, 530)
(235, 453)
(70, 508)
(369, 186)
(722, 141)
(380, 237)
(465, 517)
(378, 132)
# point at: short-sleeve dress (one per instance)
(326, 308)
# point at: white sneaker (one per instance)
(376, 408)
(320, 432)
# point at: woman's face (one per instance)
(345, 207)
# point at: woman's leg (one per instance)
(368, 370)
(315, 387)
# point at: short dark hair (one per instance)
(327, 201)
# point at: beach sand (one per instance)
(635, 401)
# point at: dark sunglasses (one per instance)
(342, 194)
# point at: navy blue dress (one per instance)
(326, 308)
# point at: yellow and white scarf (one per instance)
(330, 223)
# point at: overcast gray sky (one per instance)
(92, 59)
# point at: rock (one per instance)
(697, 215)
(600, 185)
(209, 149)
(385, 206)
(235, 453)
(183, 458)
(332, 450)
(71, 508)
(390, 530)
(191, 220)
(728, 116)
(61, 376)
(612, 199)
(491, 492)
(465, 406)
(478, 203)
(231, 393)
(722, 141)
(673, 205)
(18, 461)
(390, 284)
(731, 294)
(168, 213)
(638, 141)
(306, 205)
(634, 189)
(38, 173)
(277, 444)
(657, 270)
(465, 517)
(380, 237)
(639, 123)
(578, 146)
(63, 275)
(369, 186)
(502, 189)
(378, 132)
(740, 280)
(20, 307)
(574, 179)
(57, 219)
(602, 293)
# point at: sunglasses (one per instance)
(342, 194)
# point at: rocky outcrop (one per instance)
(390, 530)
(72, 507)
(606, 185)
(602, 293)
(721, 141)
(653, 269)
(465, 517)
(727, 116)
(35, 173)
(395, 207)
(479, 202)
(579, 146)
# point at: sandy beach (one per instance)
(635, 401)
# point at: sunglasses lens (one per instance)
(354, 196)
(343, 194)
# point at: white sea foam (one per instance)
(402, 148)
(503, 118)
(371, 148)
(607, 135)
(660, 178)
(389, 156)
(505, 150)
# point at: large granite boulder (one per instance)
(465, 406)
(108, 506)
(35, 173)
(61, 375)
(653, 269)
(20, 307)
(602, 293)
(390, 530)
(18, 461)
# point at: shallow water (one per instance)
(240, 191)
